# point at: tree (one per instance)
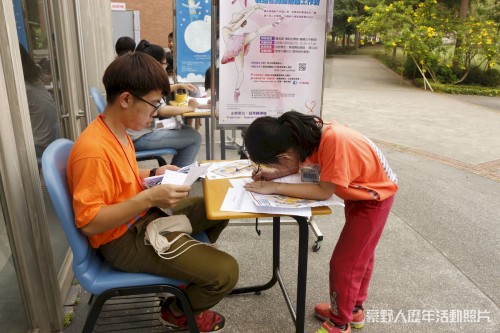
(419, 28)
(342, 27)
(416, 27)
(462, 16)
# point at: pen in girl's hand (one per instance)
(245, 167)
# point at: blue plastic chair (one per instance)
(94, 275)
(99, 101)
(141, 155)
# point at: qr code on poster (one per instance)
(302, 66)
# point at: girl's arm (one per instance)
(187, 86)
(170, 111)
(268, 173)
(319, 191)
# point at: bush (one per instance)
(410, 69)
(489, 78)
(460, 90)
(445, 75)
(493, 78)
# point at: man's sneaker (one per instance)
(323, 310)
(358, 318)
(329, 327)
(207, 321)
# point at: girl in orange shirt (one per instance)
(333, 159)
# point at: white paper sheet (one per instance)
(273, 200)
(238, 200)
(231, 169)
(179, 178)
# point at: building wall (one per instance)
(156, 19)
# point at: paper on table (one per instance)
(231, 169)
(203, 104)
(179, 178)
(238, 200)
(274, 200)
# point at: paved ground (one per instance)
(438, 262)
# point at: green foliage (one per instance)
(445, 75)
(68, 319)
(488, 78)
(417, 27)
(420, 29)
(479, 40)
(461, 90)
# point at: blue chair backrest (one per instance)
(99, 101)
(54, 165)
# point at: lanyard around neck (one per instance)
(102, 117)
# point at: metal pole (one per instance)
(213, 71)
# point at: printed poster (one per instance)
(271, 58)
(193, 39)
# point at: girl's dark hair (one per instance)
(137, 73)
(268, 137)
(30, 70)
(170, 63)
(156, 51)
(124, 45)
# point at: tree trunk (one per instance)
(457, 54)
(357, 39)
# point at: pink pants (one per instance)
(351, 265)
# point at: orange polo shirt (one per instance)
(353, 163)
(101, 173)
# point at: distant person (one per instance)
(170, 67)
(170, 43)
(185, 139)
(124, 45)
(42, 108)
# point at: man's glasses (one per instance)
(156, 107)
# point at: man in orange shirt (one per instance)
(113, 210)
(338, 160)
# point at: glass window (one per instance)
(12, 315)
(41, 81)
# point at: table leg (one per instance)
(302, 272)
(298, 314)
(276, 263)
(208, 142)
(222, 144)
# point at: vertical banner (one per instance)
(271, 58)
(193, 39)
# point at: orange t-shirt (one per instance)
(101, 174)
(353, 163)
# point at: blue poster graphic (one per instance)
(193, 39)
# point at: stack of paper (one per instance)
(184, 176)
(240, 200)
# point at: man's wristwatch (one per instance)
(152, 172)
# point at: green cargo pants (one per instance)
(210, 274)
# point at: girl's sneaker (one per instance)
(322, 311)
(329, 327)
(358, 318)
